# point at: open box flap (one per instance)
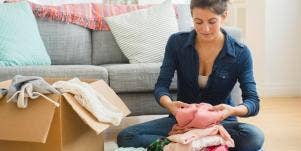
(101, 87)
(30, 124)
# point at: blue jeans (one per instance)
(246, 137)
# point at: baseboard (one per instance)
(279, 89)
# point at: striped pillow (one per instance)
(143, 34)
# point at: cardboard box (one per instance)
(44, 127)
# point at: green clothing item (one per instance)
(158, 145)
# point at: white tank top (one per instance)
(202, 80)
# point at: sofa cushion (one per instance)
(105, 49)
(20, 41)
(66, 43)
(56, 71)
(135, 77)
(136, 36)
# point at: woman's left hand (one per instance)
(227, 110)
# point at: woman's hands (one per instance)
(226, 110)
(229, 110)
(175, 105)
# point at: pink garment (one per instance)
(217, 148)
(195, 134)
(189, 147)
(177, 147)
(208, 141)
(179, 130)
(202, 144)
(195, 116)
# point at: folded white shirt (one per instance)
(86, 96)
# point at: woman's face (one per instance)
(206, 23)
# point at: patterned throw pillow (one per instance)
(142, 35)
(20, 40)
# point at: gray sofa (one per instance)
(79, 52)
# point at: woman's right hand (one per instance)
(173, 106)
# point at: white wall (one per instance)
(255, 37)
(284, 39)
(274, 35)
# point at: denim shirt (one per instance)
(233, 63)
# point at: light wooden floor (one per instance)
(279, 118)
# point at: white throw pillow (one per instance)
(142, 35)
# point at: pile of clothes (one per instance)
(197, 129)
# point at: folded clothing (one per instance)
(24, 87)
(130, 149)
(198, 116)
(178, 147)
(94, 102)
(217, 148)
(196, 134)
(195, 116)
(209, 141)
(213, 138)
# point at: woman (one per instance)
(208, 62)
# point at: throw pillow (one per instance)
(184, 17)
(20, 40)
(142, 35)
